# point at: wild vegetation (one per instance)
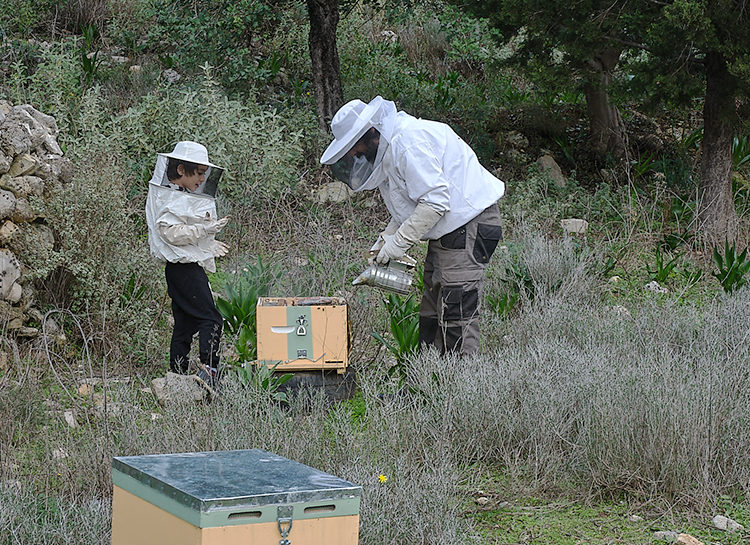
(591, 390)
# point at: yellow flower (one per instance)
(382, 478)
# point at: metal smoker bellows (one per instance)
(396, 276)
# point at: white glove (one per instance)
(411, 231)
(220, 248)
(390, 229)
(214, 226)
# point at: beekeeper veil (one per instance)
(351, 127)
(190, 152)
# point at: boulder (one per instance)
(24, 212)
(725, 523)
(174, 388)
(333, 192)
(548, 166)
(687, 539)
(10, 272)
(7, 204)
(22, 165)
(22, 186)
(574, 226)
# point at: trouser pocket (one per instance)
(487, 239)
(459, 304)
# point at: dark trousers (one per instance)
(453, 282)
(194, 312)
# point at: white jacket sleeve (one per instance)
(181, 234)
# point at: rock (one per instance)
(24, 212)
(7, 204)
(23, 164)
(333, 192)
(635, 518)
(484, 500)
(59, 454)
(178, 388)
(3, 360)
(574, 226)
(70, 418)
(512, 139)
(4, 164)
(27, 332)
(16, 293)
(7, 230)
(547, 165)
(22, 186)
(86, 390)
(135, 69)
(171, 75)
(654, 286)
(724, 523)
(10, 271)
(119, 59)
(687, 539)
(48, 122)
(608, 176)
(614, 279)
(13, 315)
(669, 537)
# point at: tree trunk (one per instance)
(324, 18)
(605, 124)
(717, 218)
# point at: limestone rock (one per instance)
(70, 418)
(7, 204)
(654, 286)
(48, 122)
(178, 388)
(574, 226)
(10, 272)
(548, 165)
(23, 164)
(23, 186)
(7, 230)
(16, 293)
(13, 315)
(724, 523)
(687, 539)
(4, 164)
(24, 212)
(15, 135)
(333, 192)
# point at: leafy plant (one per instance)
(239, 309)
(263, 378)
(403, 315)
(662, 266)
(643, 165)
(740, 151)
(732, 267)
(503, 304)
(89, 55)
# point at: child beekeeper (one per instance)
(182, 223)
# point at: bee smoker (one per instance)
(395, 276)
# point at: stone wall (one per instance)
(32, 168)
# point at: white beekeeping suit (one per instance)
(182, 223)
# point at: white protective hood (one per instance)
(168, 206)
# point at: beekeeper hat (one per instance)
(348, 125)
(192, 152)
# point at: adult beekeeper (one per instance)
(182, 224)
(435, 190)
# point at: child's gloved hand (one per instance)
(214, 226)
(220, 248)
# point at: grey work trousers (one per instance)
(453, 281)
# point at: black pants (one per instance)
(194, 311)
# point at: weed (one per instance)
(263, 378)
(239, 309)
(732, 268)
(740, 151)
(662, 266)
(403, 314)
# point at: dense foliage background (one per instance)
(589, 388)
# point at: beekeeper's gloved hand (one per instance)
(220, 248)
(390, 229)
(214, 226)
(411, 231)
